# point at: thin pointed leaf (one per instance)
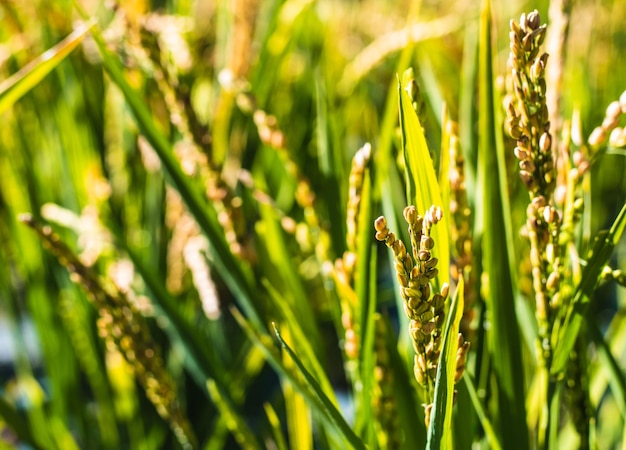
(410, 412)
(234, 421)
(365, 279)
(602, 374)
(18, 84)
(444, 157)
(312, 392)
(297, 412)
(300, 337)
(492, 438)
(329, 408)
(439, 435)
(365, 413)
(616, 374)
(275, 425)
(422, 185)
(600, 253)
(364, 254)
(330, 166)
(497, 254)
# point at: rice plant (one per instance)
(298, 224)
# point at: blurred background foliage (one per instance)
(264, 104)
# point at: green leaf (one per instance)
(365, 413)
(365, 280)
(410, 412)
(18, 84)
(492, 438)
(276, 427)
(422, 185)
(365, 272)
(234, 421)
(309, 389)
(444, 157)
(564, 337)
(612, 342)
(334, 415)
(331, 169)
(299, 335)
(439, 435)
(504, 338)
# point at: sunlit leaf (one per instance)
(439, 435)
(309, 388)
(422, 185)
(497, 247)
(596, 260)
(234, 421)
(328, 407)
(18, 84)
(492, 438)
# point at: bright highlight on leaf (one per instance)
(439, 436)
(18, 84)
(422, 185)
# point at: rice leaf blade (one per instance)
(616, 375)
(490, 433)
(504, 333)
(423, 188)
(565, 336)
(329, 409)
(309, 388)
(18, 84)
(234, 421)
(439, 435)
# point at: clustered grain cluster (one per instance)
(424, 309)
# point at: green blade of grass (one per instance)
(300, 337)
(497, 253)
(492, 438)
(423, 188)
(444, 158)
(218, 435)
(602, 374)
(18, 84)
(410, 412)
(309, 388)
(334, 415)
(365, 413)
(234, 421)
(365, 286)
(75, 317)
(564, 336)
(439, 435)
(297, 414)
(330, 167)
(275, 425)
